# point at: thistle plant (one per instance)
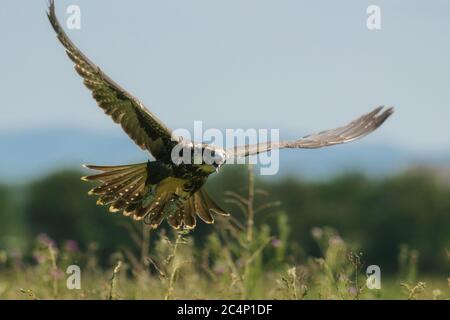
(242, 243)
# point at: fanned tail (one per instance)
(125, 188)
(122, 187)
(200, 204)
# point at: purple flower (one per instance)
(56, 273)
(276, 243)
(335, 240)
(219, 269)
(71, 246)
(353, 291)
(46, 240)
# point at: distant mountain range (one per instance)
(28, 155)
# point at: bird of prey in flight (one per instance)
(154, 190)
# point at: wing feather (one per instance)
(354, 130)
(136, 120)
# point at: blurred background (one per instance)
(300, 66)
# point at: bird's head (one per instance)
(214, 157)
(221, 159)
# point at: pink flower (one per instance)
(219, 269)
(71, 246)
(335, 240)
(276, 243)
(46, 240)
(56, 273)
(353, 291)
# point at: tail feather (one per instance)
(108, 173)
(201, 209)
(176, 219)
(189, 214)
(203, 206)
(121, 186)
(213, 206)
(124, 188)
(154, 214)
(130, 209)
(110, 168)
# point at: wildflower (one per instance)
(276, 243)
(335, 241)
(317, 233)
(56, 273)
(353, 291)
(46, 240)
(71, 246)
(219, 269)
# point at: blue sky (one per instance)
(299, 66)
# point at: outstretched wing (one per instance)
(139, 123)
(352, 131)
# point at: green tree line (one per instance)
(377, 215)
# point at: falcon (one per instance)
(162, 188)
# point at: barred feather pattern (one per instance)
(142, 126)
(125, 188)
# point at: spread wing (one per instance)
(139, 123)
(354, 130)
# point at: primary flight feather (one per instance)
(159, 189)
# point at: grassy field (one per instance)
(233, 263)
(238, 260)
(173, 269)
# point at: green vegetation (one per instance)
(287, 239)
